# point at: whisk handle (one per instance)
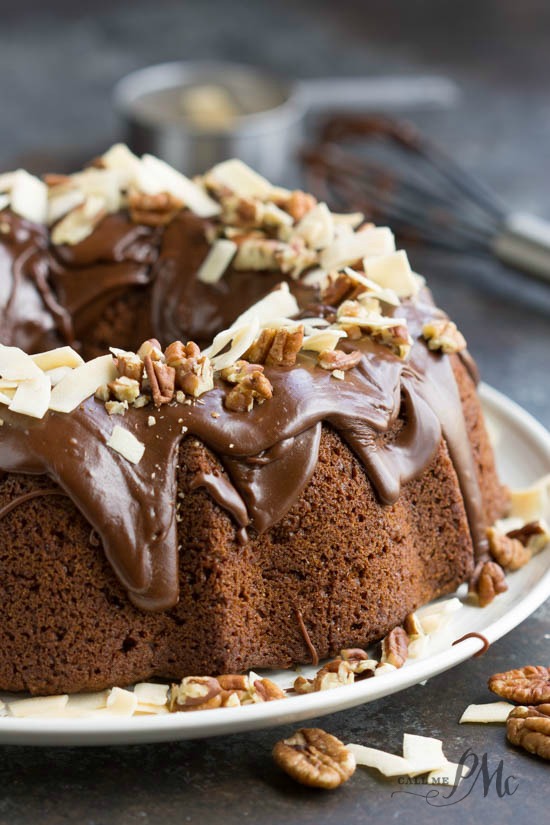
(524, 242)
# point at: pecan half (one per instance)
(315, 758)
(250, 385)
(276, 347)
(268, 690)
(530, 729)
(194, 372)
(234, 681)
(303, 685)
(442, 334)
(337, 359)
(162, 380)
(510, 553)
(529, 685)
(195, 693)
(488, 580)
(338, 288)
(153, 210)
(395, 647)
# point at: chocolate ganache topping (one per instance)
(391, 411)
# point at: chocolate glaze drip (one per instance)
(391, 413)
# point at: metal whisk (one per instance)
(390, 172)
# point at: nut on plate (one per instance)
(488, 580)
(395, 648)
(509, 552)
(315, 758)
(529, 685)
(195, 693)
(529, 727)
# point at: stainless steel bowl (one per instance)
(268, 129)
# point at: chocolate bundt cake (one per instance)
(234, 429)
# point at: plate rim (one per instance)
(53, 731)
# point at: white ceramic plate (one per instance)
(523, 455)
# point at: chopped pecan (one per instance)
(150, 347)
(234, 681)
(333, 674)
(250, 385)
(162, 380)
(529, 685)
(337, 359)
(339, 287)
(276, 347)
(125, 389)
(194, 372)
(245, 213)
(412, 625)
(256, 253)
(130, 365)
(510, 553)
(488, 581)
(529, 728)
(442, 334)
(153, 210)
(294, 257)
(195, 693)
(314, 758)
(296, 203)
(395, 338)
(395, 647)
(351, 654)
(303, 685)
(534, 535)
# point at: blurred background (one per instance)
(60, 61)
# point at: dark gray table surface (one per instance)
(58, 64)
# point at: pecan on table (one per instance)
(488, 580)
(529, 727)
(315, 758)
(529, 685)
(333, 674)
(395, 648)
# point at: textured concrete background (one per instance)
(58, 63)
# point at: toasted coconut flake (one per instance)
(60, 357)
(393, 271)
(216, 262)
(241, 179)
(32, 397)
(163, 178)
(82, 383)
(125, 443)
(487, 713)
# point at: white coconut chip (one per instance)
(419, 647)
(353, 219)
(80, 222)
(150, 693)
(373, 289)
(120, 160)
(393, 271)
(423, 753)
(314, 277)
(38, 706)
(216, 262)
(347, 248)
(531, 503)
(16, 365)
(323, 340)
(241, 179)
(240, 339)
(29, 197)
(387, 763)
(61, 204)
(126, 444)
(164, 178)
(32, 397)
(4, 201)
(121, 702)
(277, 304)
(60, 357)
(6, 181)
(316, 227)
(103, 183)
(82, 383)
(451, 775)
(384, 669)
(434, 617)
(486, 714)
